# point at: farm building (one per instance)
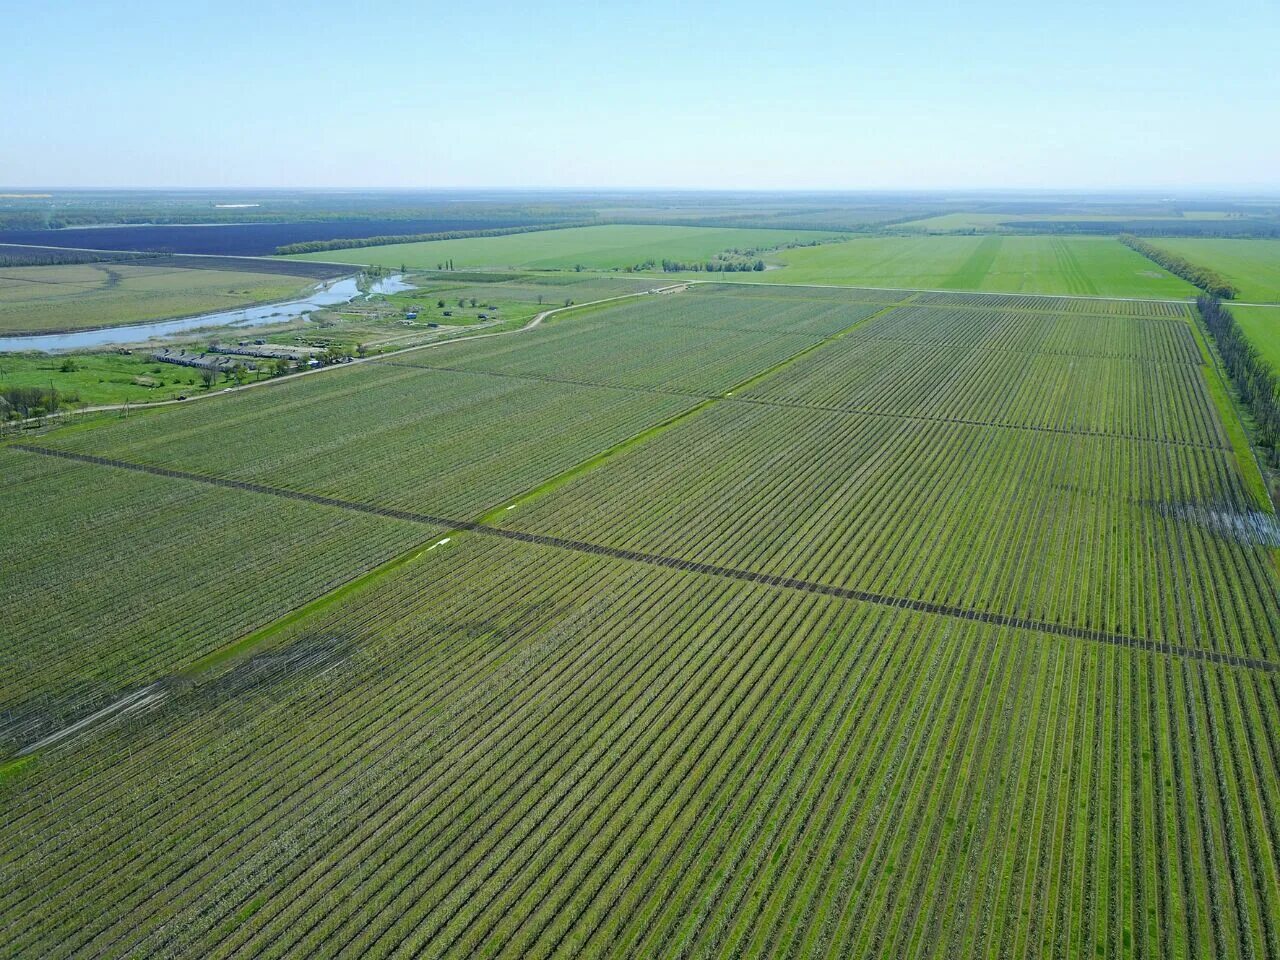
(201, 361)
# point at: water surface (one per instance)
(326, 295)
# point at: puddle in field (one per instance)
(1249, 526)
(308, 656)
(25, 732)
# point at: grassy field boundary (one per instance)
(10, 770)
(1233, 416)
(210, 664)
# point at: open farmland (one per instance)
(1090, 266)
(549, 289)
(981, 222)
(1178, 222)
(174, 570)
(200, 573)
(1252, 266)
(697, 345)
(741, 621)
(1262, 326)
(591, 248)
(49, 299)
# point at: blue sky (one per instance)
(709, 95)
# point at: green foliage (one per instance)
(1079, 266)
(23, 402)
(575, 249)
(1253, 376)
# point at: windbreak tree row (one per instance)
(1210, 281)
(1251, 374)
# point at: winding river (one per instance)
(326, 295)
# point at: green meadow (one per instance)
(1253, 266)
(592, 248)
(1262, 326)
(94, 378)
(1086, 266)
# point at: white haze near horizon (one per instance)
(991, 94)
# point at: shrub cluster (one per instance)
(720, 263)
(23, 402)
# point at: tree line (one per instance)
(716, 265)
(1210, 281)
(19, 403)
(20, 256)
(1252, 375)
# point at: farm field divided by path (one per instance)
(176, 571)
(570, 723)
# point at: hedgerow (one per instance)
(1210, 281)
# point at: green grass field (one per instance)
(750, 620)
(1088, 266)
(99, 378)
(1262, 326)
(86, 296)
(1253, 266)
(592, 248)
(948, 222)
